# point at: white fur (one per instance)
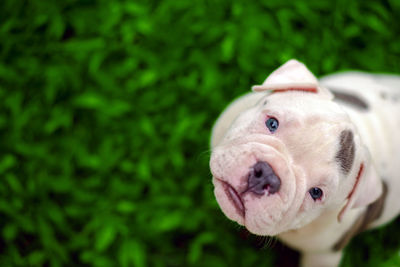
(302, 153)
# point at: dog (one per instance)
(313, 162)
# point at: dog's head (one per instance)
(292, 156)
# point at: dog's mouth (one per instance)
(234, 197)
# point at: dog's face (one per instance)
(290, 157)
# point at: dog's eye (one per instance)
(272, 124)
(316, 193)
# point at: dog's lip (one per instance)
(234, 197)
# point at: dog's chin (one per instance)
(260, 232)
(260, 221)
(261, 227)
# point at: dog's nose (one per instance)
(262, 178)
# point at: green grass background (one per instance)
(105, 115)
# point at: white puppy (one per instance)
(312, 162)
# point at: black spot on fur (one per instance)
(346, 153)
(350, 99)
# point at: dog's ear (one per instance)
(292, 76)
(367, 186)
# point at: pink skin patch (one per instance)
(352, 191)
(311, 90)
(357, 180)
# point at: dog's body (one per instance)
(327, 172)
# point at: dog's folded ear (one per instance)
(293, 76)
(367, 187)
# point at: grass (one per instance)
(106, 111)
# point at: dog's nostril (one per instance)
(262, 178)
(258, 174)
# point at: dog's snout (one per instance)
(262, 178)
